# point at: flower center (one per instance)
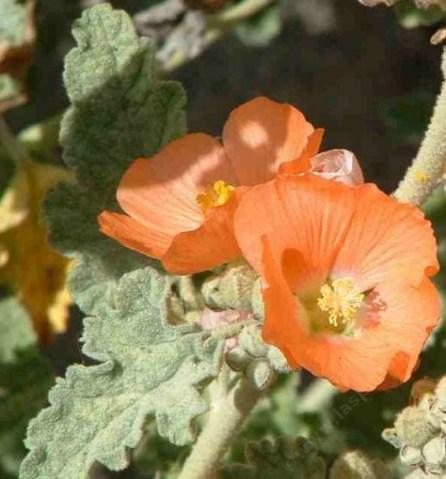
(217, 194)
(341, 300)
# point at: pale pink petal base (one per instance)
(338, 165)
(211, 320)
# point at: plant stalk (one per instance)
(427, 170)
(225, 420)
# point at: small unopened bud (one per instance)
(434, 452)
(278, 360)
(411, 456)
(413, 427)
(237, 359)
(258, 307)
(390, 435)
(232, 288)
(251, 341)
(260, 373)
(356, 465)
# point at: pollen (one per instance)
(421, 176)
(217, 194)
(341, 299)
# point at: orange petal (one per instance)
(133, 235)
(303, 163)
(386, 238)
(160, 192)
(363, 362)
(208, 246)
(261, 135)
(408, 317)
(302, 213)
(283, 311)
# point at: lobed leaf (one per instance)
(148, 369)
(24, 381)
(119, 112)
(17, 37)
(24, 385)
(16, 331)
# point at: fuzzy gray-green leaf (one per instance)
(150, 369)
(119, 112)
(16, 330)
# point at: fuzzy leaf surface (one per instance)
(16, 331)
(148, 369)
(24, 381)
(119, 112)
(24, 385)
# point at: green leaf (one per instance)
(12, 21)
(282, 459)
(410, 16)
(148, 369)
(24, 385)
(24, 381)
(120, 112)
(16, 331)
(72, 220)
(262, 29)
(16, 47)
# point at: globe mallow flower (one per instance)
(179, 204)
(346, 277)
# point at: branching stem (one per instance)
(226, 417)
(426, 171)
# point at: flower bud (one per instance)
(413, 427)
(252, 343)
(411, 456)
(232, 288)
(237, 359)
(434, 454)
(260, 373)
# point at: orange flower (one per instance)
(180, 203)
(346, 277)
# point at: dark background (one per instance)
(352, 70)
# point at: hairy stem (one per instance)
(241, 11)
(427, 169)
(218, 25)
(225, 419)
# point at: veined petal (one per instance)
(133, 234)
(302, 164)
(261, 135)
(388, 348)
(302, 213)
(211, 244)
(386, 238)
(161, 192)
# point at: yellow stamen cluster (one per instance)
(216, 194)
(341, 300)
